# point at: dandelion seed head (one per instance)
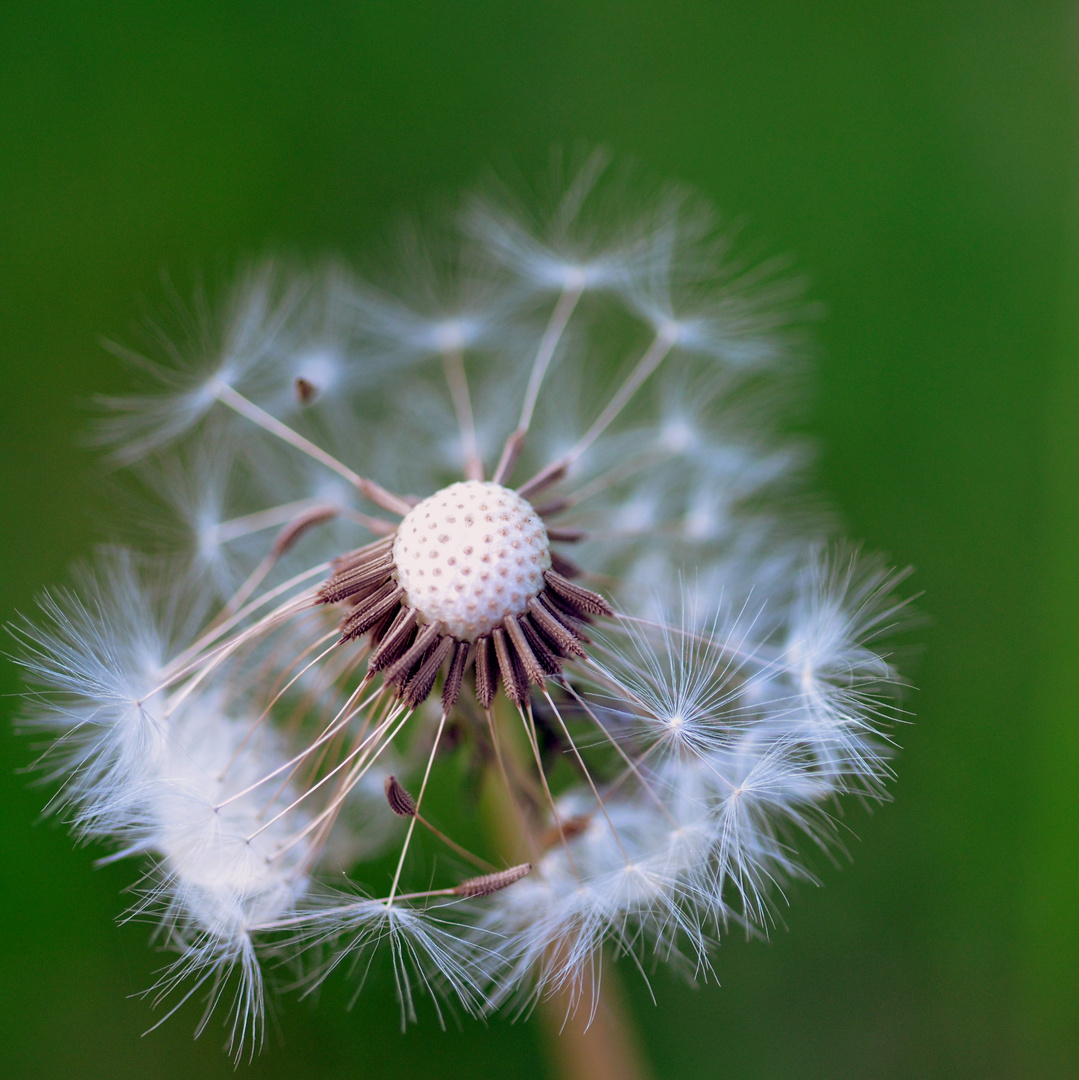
(523, 503)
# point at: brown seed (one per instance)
(491, 883)
(548, 659)
(533, 669)
(543, 479)
(510, 668)
(294, 530)
(419, 686)
(565, 536)
(399, 670)
(486, 672)
(401, 803)
(368, 553)
(452, 687)
(575, 596)
(371, 610)
(396, 640)
(347, 583)
(563, 636)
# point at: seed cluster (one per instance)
(471, 555)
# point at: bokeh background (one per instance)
(919, 158)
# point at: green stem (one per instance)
(581, 1043)
(602, 1046)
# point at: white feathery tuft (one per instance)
(655, 660)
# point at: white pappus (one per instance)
(509, 544)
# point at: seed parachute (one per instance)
(497, 635)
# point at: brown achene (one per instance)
(522, 651)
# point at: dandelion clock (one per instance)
(487, 632)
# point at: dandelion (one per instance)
(506, 580)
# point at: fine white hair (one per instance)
(662, 723)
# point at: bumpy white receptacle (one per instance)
(470, 555)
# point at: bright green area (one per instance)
(919, 160)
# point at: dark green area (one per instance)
(919, 160)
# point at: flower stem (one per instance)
(582, 1042)
(599, 1046)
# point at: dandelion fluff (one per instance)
(526, 498)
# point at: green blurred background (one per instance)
(918, 158)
